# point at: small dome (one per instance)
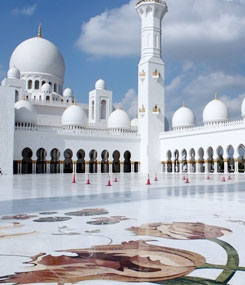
(215, 112)
(118, 120)
(46, 88)
(134, 123)
(243, 108)
(25, 112)
(183, 118)
(68, 93)
(74, 116)
(14, 73)
(100, 84)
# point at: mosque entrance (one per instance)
(41, 161)
(55, 161)
(220, 160)
(176, 161)
(26, 161)
(116, 162)
(231, 161)
(68, 165)
(105, 162)
(81, 161)
(127, 162)
(93, 161)
(241, 159)
(184, 160)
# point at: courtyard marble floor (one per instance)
(55, 232)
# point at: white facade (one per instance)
(44, 130)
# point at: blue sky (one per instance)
(203, 47)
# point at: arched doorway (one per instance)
(116, 162)
(81, 161)
(27, 161)
(201, 159)
(169, 161)
(55, 161)
(192, 160)
(184, 160)
(105, 161)
(210, 154)
(176, 161)
(68, 165)
(230, 160)
(41, 166)
(241, 158)
(220, 160)
(93, 161)
(127, 162)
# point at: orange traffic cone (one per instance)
(148, 180)
(223, 179)
(74, 178)
(88, 181)
(109, 182)
(187, 180)
(156, 179)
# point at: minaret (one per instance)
(151, 84)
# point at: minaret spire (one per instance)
(39, 31)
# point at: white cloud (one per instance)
(192, 29)
(233, 104)
(26, 11)
(112, 33)
(129, 103)
(215, 81)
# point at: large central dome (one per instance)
(38, 56)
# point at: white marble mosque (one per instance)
(45, 130)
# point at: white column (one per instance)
(236, 165)
(226, 165)
(62, 166)
(215, 165)
(206, 165)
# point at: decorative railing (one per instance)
(90, 130)
(157, 1)
(206, 128)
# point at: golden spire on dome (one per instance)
(216, 96)
(184, 104)
(39, 34)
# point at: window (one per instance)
(103, 110)
(55, 87)
(16, 95)
(92, 110)
(36, 84)
(29, 84)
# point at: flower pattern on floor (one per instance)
(134, 261)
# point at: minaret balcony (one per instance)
(142, 75)
(142, 111)
(156, 110)
(156, 75)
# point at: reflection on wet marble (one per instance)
(205, 219)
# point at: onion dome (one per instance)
(46, 88)
(38, 56)
(215, 112)
(119, 120)
(25, 112)
(183, 118)
(243, 108)
(134, 123)
(100, 84)
(68, 93)
(14, 73)
(74, 116)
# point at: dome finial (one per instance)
(216, 96)
(184, 104)
(39, 31)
